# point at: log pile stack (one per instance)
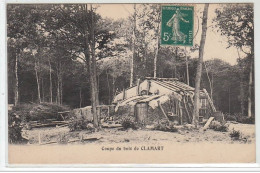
(52, 123)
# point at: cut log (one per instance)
(106, 125)
(208, 123)
(49, 124)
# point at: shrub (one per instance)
(129, 122)
(239, 117)
(77, 124)
(14, 129)
(62, 139)
(246, 120)
(235, 134)
(229, 117)
(23, 111)
(165, 125)
(217, 126)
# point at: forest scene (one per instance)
(72, 68)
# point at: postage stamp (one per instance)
(177, 25)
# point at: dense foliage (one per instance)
(14, 129)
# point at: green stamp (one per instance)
(177, 25)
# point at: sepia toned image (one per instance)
(130, 83)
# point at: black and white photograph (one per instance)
(128, 83)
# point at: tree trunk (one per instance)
(175, 60)
(90, 70)
(43, 94)
(97, 85)
(16, 87)
(95, 101)
(199, 67)
(229, 100)
(37, 80)
(61, 90)
(250, 83)
(80, 97)
(210, 83)
(242, 95)
(113, 86)
(241, 83)
(133, 51)
(212, 87)
(50, 82)
(108, 85)
(156, 57)
(145, 55)
(58, 87)
(157, 46)
(187, 68)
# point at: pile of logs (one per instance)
(48, 123)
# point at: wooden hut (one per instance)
(170, 97)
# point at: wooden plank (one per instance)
(160, 106)
(210, 101)
(124, 94)
(157, 78)
(208, 123)
(138, 87)
(186, 109)
(175, 89)
(180, 113)
(62, 117)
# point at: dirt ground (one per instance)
(62, 135)
(184, 146)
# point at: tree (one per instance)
(133, 49)
(81, 40)
(149, 17)
(51, 38)
(199, 67)
(17, 37)
(236, 22)
(226, 84)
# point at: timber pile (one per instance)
(35, 124)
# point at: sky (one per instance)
(215, 46)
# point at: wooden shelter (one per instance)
(173, 100)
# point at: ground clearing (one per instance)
(117, 135)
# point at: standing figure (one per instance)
(174, 23)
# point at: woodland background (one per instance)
(48, 59)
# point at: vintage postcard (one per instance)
(131, 83)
